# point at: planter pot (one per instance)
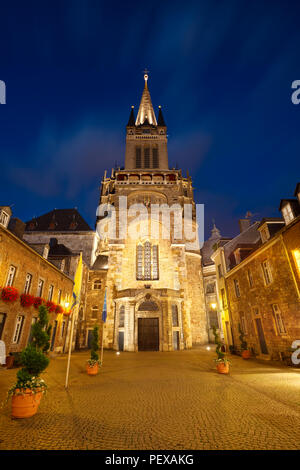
(26, 405)
(92, 370)
(9, 362)
(223, 368)
(246, 354)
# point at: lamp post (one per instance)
(70, 343)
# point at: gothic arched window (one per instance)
(121, 316)
(147, 262)
(139, 262)
(175, 315)
(155, 262)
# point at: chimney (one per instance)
(17, 227)
(53, 242)
(244, 224)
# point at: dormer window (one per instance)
(287, 213)
(265, 235)
(4, 218)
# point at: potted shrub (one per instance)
(93, 363)
(27, 392)
(244, 345)
(221, 361)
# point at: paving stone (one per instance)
(156, 400)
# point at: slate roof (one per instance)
(131, 121)
(160, 119)
(58, 220)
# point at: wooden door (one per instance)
(148, 335)
(261, 336)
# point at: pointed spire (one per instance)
(131, 120)
(215, 233)
(160, 119)
(146, 113)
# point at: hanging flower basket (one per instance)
(38, 301)
(27, 300)
(51, 306)
(59, 309)
(9, 294)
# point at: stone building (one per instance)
(263, 283)
(212, 302)
(67, 235)
(155, 298)
(27, 269)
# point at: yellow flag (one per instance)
(77, 282)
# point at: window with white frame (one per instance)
(267, 272)
(27, 286)
(4, 218)
(59, 296)
(40, 288)
(18, 329)
(287, 213)
(63, 328)
(278, 320)
(97, 284)
(95, 311)
(237, 288)
(50, 292)
(11, 275)
(243, 323)
(250, 278)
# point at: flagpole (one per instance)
(101, 357)
(70, 347)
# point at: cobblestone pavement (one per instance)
(153, 400)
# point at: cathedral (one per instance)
(154, 286)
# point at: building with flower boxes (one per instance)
(260, 277)
(27, 279)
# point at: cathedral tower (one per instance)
(155, 298)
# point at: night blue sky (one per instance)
(222, 71)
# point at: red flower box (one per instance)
(51, 306)
(27, 300)
(38, 301)
(9, 294)
(59, 309)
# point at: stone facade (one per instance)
(263, 294)
(15, 320)
(171, 294)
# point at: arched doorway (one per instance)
(148, 326)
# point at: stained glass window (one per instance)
(147, 261)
